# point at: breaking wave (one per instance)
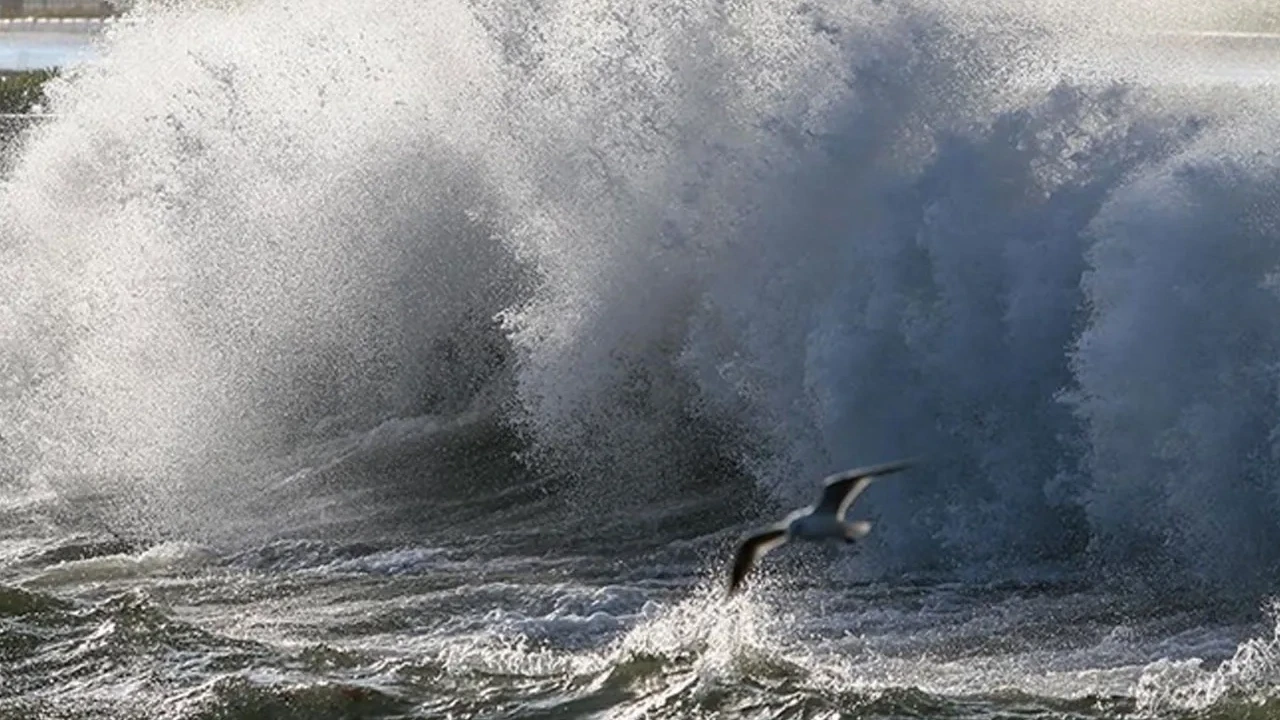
(662, 243)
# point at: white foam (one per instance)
(159, 560)
(1251, 675)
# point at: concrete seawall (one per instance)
(62, 24)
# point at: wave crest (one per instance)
(665, 242)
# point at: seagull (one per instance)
(823, 521)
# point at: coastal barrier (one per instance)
(61, 23)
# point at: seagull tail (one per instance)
(856, 530)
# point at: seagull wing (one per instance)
(751, 550)
(841, 489)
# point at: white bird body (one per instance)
(822, 521)
(808, 524)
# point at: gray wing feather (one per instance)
(841, 489)
(752, 549)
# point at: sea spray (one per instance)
(670, 248)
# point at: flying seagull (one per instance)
(823, 521)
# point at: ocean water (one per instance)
(36, 51)
(400, 360)
(37, 44)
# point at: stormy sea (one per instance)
(393, 359)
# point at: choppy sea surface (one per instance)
(392, 360)
(492, 598)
